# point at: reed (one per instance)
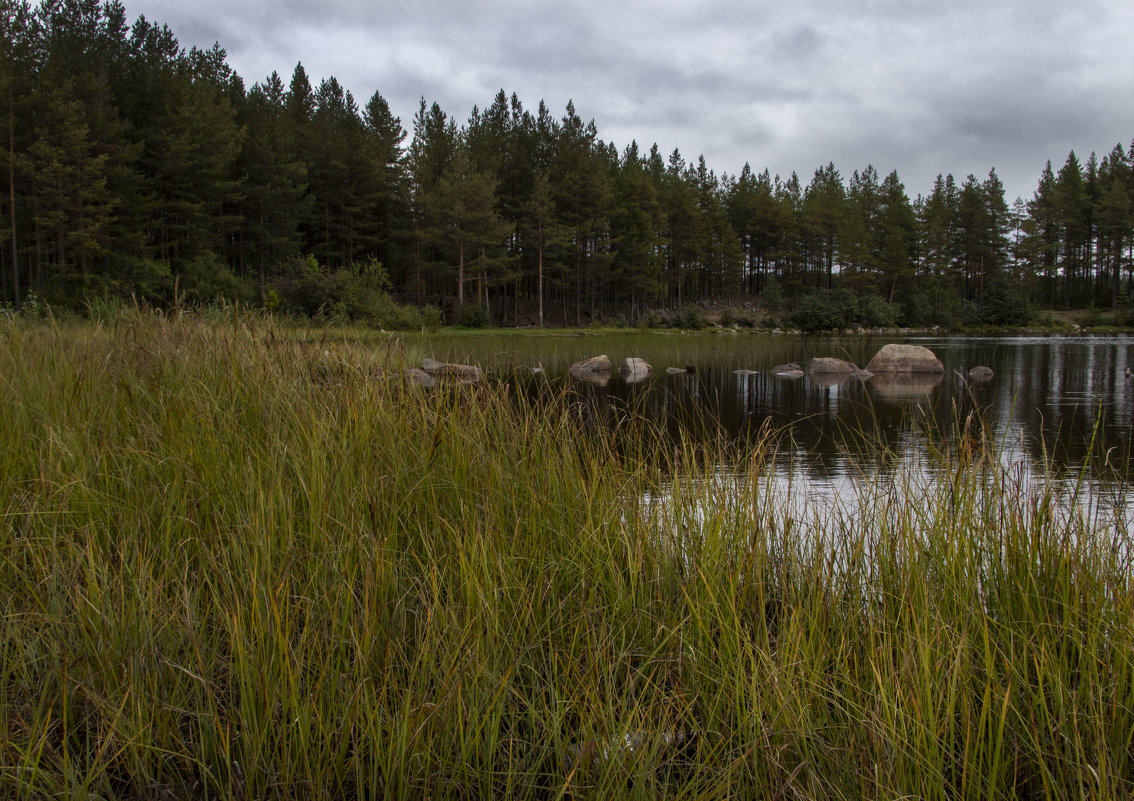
(237, 563)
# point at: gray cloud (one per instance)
(914, 85)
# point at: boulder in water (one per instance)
(634, 369)
(596, 367)
(825, 365)
(905, 359)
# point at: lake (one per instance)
(1057, 405)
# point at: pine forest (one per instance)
(137, 168)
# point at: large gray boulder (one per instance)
(596, 367)
(907, 359)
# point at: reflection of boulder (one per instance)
(826, 366)
(981, 373)
(598, 379)
(596, 370)
(828, 379)
(905, 359)
(634, 370)
(743, 372)
(790, 367)
(789, 375)
(904, 386)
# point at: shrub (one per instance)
(474, 316)
(689, 317)
(773, 297)
(875, 312)
(207, 278)
(814, 313)
(1004, 304)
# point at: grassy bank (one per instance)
(237, 565)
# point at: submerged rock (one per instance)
(825, 365)
(981, 373)
(594, 369)
(465, 373)
(634, 369)
(675, 370)
(905, 359)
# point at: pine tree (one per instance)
(72, 203)
(859, 247)
(897, 239)
(581, 181)
(1072, 208)
(15, 82)
(635, 215)
(383, 159)
(824, 205)
(464, 224)
(275, 182)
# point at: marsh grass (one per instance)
(236, 563)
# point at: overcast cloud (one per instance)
(923, 87)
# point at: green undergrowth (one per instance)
(238, 565)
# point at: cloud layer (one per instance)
(920, 87)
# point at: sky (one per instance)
(924, 87)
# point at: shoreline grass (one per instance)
(233, 565)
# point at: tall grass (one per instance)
(237, 565)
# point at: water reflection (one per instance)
(1061, 402)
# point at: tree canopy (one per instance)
(135, 166)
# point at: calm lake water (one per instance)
(1057, 405)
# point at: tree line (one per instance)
(137, 167)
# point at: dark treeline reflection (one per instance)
(1063, 401)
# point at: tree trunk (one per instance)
(12, 195)
(460, 276)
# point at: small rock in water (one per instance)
(634, 369)
(465, 373)
(827, 365)
(596, 370)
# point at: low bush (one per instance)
(689, 317)
(474, 315)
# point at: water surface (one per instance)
(1057, 400)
